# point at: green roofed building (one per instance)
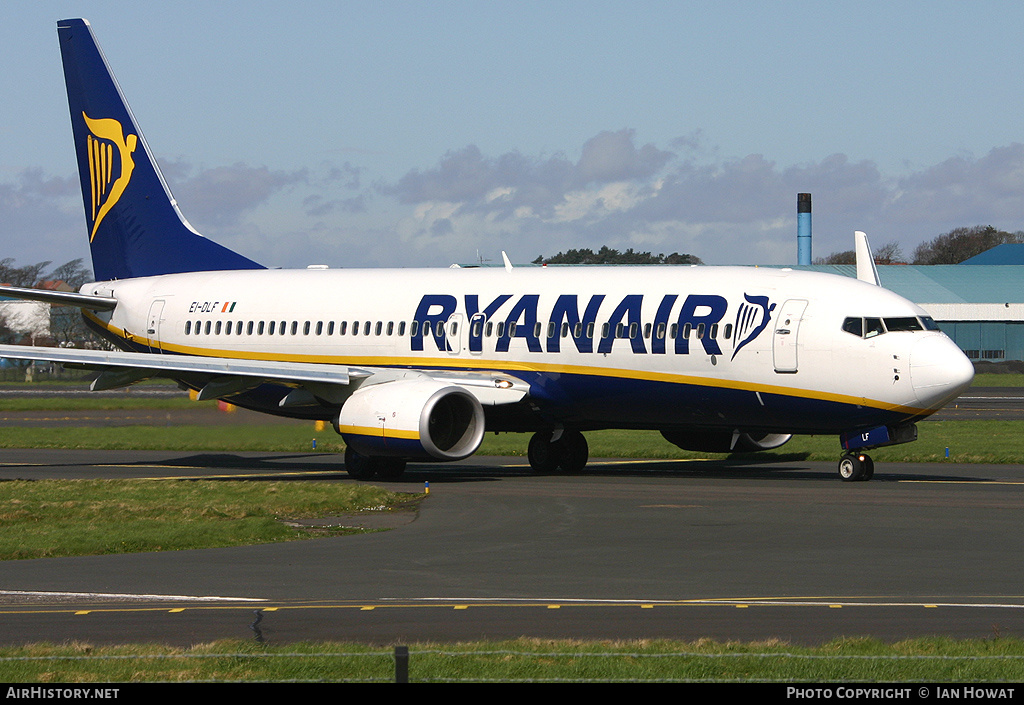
(980, 306)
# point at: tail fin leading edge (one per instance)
(135, 227)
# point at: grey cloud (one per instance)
(968, 191)
(467, 176)
(317, 206)
(460, 175)
(42, 217)
(612, 156)
(347, 174)
(219, 196)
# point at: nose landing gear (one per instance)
(856, 467)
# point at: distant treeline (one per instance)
(949, 248)
(608, 255)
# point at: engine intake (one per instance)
(413, 419)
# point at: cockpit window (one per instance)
(898, 324)
(873, 327)
(870, 327)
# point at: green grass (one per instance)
(990, 379)
(87, 402)
(48, 518)
(855, 662)
(97, 403)
(270, 437)
(970, 441)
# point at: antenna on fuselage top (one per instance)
(866, 270)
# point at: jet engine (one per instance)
(713, 441)
(419, 419)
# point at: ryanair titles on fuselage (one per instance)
(700, 314)
(575, 320)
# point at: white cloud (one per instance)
(617, 194)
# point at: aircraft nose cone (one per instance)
(939, 370)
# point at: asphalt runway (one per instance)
(626, 550)
(985, 403)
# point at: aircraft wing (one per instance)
(152, 365)
(221, 377)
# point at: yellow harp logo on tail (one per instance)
(109, 173)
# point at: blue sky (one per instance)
(423, 133)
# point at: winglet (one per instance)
(508, 263)
(866, 270)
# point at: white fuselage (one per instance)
(600, 346)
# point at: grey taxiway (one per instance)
(628, 549)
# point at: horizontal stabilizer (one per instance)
(60, 298)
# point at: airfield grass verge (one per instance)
(45, 518)
(936, 660)
(969, 441)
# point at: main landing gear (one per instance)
(362, 467)
(567, 451)
(855, 467)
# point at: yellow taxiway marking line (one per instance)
(97, 611)
(963, 482)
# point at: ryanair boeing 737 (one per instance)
(415, 365)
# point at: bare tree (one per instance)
(72, 273)
(26, 276)
(963, 243)
(845, 257)
(889, 253)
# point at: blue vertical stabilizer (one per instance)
(135, 228)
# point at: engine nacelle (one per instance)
(414, 419)
(709, 441)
